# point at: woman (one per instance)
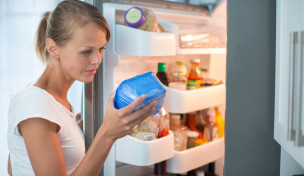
(43, 137)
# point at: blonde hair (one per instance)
(59, 24)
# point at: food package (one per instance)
(129, 90)
(143, 19)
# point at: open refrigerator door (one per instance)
(187, 35)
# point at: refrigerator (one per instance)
(131, 52)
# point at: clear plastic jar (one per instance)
(178, 76)
(192, 137)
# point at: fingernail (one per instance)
(143, 96)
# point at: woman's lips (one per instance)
(91, 72)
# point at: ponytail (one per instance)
(41, 35)
(60, 24)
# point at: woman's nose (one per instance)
(98, 58)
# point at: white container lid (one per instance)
(192, 134)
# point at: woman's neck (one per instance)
(54, 81)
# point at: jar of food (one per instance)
(178, 76)
(141, 18)
(192, 137)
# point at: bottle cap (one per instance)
(179, 62)
(192, 134)
(135, 17)
(161, 67)
(178, 69)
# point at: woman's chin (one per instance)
(87, 79)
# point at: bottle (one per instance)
(161, 73)
(178, 76)
(141, 18)
(220, 122)
(195, 75)
(191, 173)
(162, 119)
(160, 169)
(180, 132)
(191, 123)
(212, 127)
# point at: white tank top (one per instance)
(36, 102)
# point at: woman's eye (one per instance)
(87, 52)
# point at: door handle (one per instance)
(290, 129)
(299, 140)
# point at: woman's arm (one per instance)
(44, 148)
(117, 123)
(9, 166)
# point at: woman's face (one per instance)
(82, 54)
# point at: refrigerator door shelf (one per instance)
(201, 51)
(180, 102)
(133, 151)
(189, 159)
(136, 42)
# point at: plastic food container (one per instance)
(129, 90)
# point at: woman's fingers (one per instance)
(111, 100)
(131, 107)
(142, 113)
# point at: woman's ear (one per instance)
(52, 47)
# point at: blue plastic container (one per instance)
(129, 90)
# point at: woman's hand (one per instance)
(120, 122)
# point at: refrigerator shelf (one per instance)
(189, 159)
(202, 51)
(133, 151)
(180, 102)
(135, 42)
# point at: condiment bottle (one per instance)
(161, 73)
(220, 122)
(211, 122)
(195, 75)
(162, 119)
(191, 123)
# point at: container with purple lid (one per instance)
(135, 17)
